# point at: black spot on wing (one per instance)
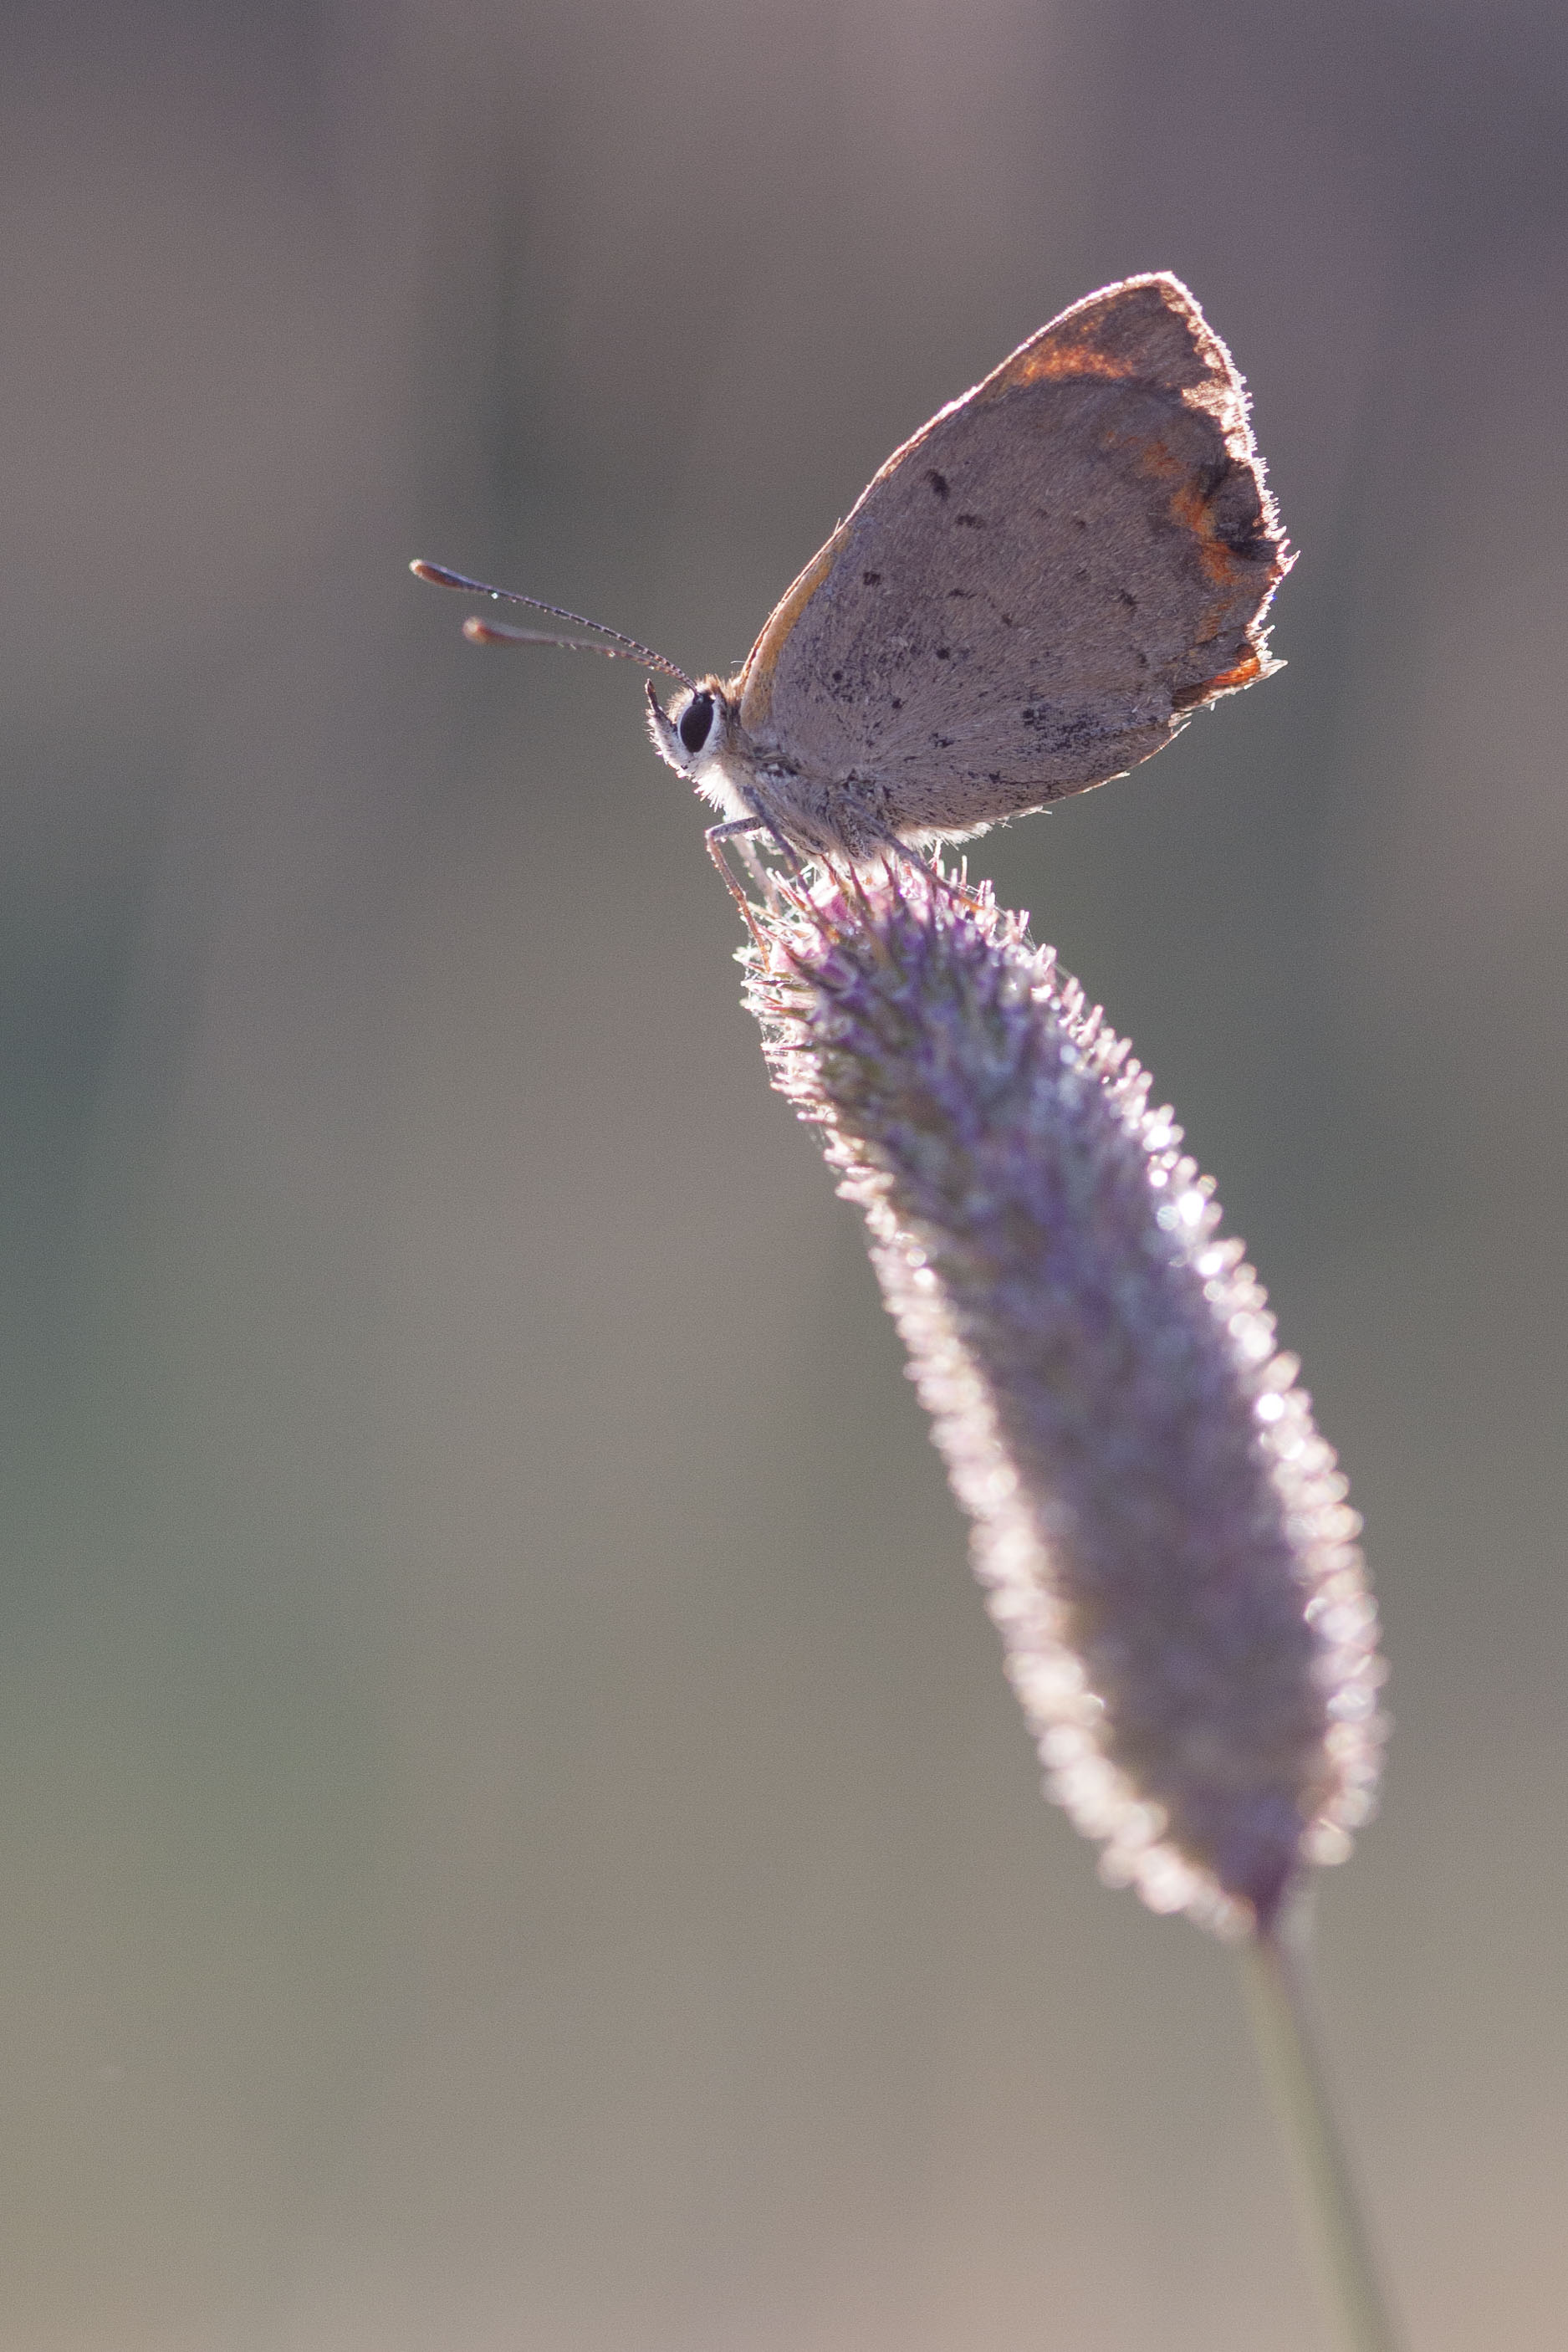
(1250, 538)
(940, 483)
(1231, 494)
(1057, 731)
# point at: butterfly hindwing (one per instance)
(1033, 589)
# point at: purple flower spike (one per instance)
(1162, 1534)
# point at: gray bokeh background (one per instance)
(513, 1830)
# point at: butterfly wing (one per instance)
(1034, 589)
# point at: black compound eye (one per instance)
(697, 721)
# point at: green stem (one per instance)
(1328, 2204)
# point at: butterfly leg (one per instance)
(738, 828)
(741, 829)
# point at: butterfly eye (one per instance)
(696, 722)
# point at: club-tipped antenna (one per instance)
(481, 632)
(494, 632)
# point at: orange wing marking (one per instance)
(1056, 358)
(1222, 567)
(1251, 667)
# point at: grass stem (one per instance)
(1328, 2203)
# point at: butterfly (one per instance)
(1028, 598)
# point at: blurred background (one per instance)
(513, 1832)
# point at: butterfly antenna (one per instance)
(620, 648)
